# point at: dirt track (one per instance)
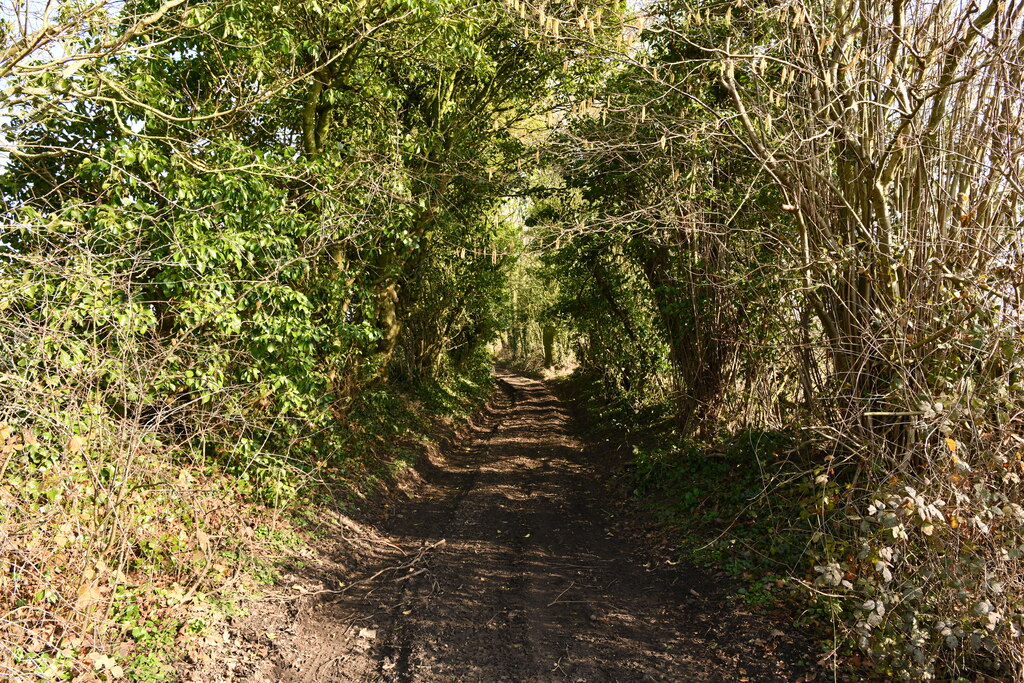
(508, 567)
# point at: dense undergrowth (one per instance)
(879, 589)
(115, 568)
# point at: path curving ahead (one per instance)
(516, 574)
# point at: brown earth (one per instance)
(508, 565)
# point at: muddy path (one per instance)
(508, 566)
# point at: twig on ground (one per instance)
(555, 601)
(339, 591)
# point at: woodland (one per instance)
(249, 248)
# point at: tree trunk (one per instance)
(549, 345)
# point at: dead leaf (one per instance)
(103, 662)
(88, 594)
(35, 643)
